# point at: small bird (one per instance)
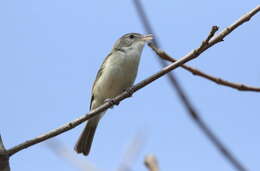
(116, 74)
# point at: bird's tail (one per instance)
(84, 142)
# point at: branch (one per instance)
(151, 163)
(120, 97)
(189, 107)
(4, 157)
(175, 83)
(240, 21)
(238, 86)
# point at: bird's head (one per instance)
(132, 41)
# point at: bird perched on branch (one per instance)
(116, 74)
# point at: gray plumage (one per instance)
(116, 74)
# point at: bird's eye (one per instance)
(131, 36)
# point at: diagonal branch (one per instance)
(123, 95)
(238, 86)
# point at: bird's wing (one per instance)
(100, 71)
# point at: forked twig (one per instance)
(220, 81)
(209, 41)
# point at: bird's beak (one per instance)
(147, 37)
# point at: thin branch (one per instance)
(4, 157)
(238, 86)
(117, 99)
(212, 32)
(151, 163)
(189, 107)
(241, 20)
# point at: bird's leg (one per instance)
(129, 92)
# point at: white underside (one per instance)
(119, 73)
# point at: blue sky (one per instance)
(51, 50)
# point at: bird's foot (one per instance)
(129, 91)
(112, 102)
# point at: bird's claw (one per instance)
(112, 102)
(129, 91)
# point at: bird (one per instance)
(116, 74)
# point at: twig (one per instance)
(4, 157)
(117, 99)
(151, 163)
(212, 32)
(205, 45)
(238, 86)
(172, 78)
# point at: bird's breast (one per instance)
(118, 74)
